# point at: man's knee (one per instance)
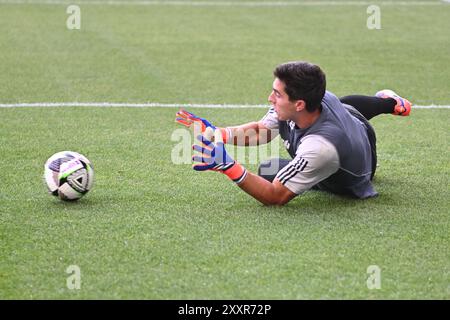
(268, 169)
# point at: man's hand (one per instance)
(189, 119)
(213, 156)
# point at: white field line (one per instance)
(157, 105)
(227, 3)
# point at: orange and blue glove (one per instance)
(188, 119)
(213, 156)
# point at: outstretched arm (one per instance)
(213, 156)
(316, 160)
(249, 134)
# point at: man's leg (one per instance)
(385, 101)
(370, 135)
(369, 107)
(268, 169)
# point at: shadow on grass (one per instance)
(85, 203)
(320, 203)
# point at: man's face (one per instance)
(280, 101)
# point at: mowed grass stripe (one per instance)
(129, 56)
(151, 229)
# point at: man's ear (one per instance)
(300, 105)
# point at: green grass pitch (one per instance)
(150, 229)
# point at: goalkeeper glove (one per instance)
(213, 156)
(187, 119)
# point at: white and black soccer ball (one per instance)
(68, 175)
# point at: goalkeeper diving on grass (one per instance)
(330, 140)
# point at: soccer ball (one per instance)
(68, 175)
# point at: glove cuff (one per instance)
(227, 134)
(236, 172)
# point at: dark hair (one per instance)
(303, 81)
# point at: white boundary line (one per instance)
(157, 105)
(227, 3)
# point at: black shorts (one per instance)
(370, 134)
